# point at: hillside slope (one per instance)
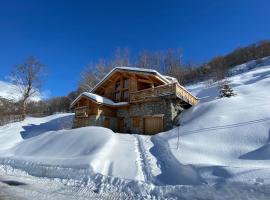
(228, 134)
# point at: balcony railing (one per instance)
(173, 89)
(81, 111)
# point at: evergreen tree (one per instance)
(225, 90)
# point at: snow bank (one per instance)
(12, 134)
(231, 133)
(38, 143)
(52, 147)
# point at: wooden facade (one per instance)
(137, 88)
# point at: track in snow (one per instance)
(143, 161)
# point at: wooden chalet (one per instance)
(133, 100)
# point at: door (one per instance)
(120, 125)
(153, 125)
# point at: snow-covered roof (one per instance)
(166, 79)
(98, 99)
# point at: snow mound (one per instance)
(12, 134)
(64, 147)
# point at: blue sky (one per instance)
(66, 35)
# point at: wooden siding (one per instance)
(136, 80)
(89, 108)
(81, 111)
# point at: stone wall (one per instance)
(94, 120)
(169, 108)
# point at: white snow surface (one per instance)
(99, 99)
(224, 145)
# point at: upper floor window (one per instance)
(117, 96)
(125, 85)
(125, 95)
(121, 90)
(117, 85)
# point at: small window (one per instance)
(125, 96)
(136, 122)
(117, 96)
(117, 85)
(125, 83)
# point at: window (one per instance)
(121, 90)
(125, 83)
(125, 95)
(117, 85)
(136, 122)
(117, 96)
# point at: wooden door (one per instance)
(120, 125)
(153, 125)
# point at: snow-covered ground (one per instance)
(223, 151)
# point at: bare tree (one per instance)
(88, 79)
(149, 60)
(92, 74)
(28, 78)
(121, 57)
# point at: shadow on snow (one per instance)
(33, 130)
(262, 153)
(172, 171)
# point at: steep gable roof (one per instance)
(165, 79)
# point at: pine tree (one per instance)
(225, 90)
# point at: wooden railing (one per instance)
(81, 111)
(164, 90)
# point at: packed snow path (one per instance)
(143, 159)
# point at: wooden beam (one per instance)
(124, 74)
(144, 80)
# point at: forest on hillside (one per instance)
(169, 62)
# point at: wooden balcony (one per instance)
(81, 111)
(174, 90)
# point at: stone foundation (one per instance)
(168, 108)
